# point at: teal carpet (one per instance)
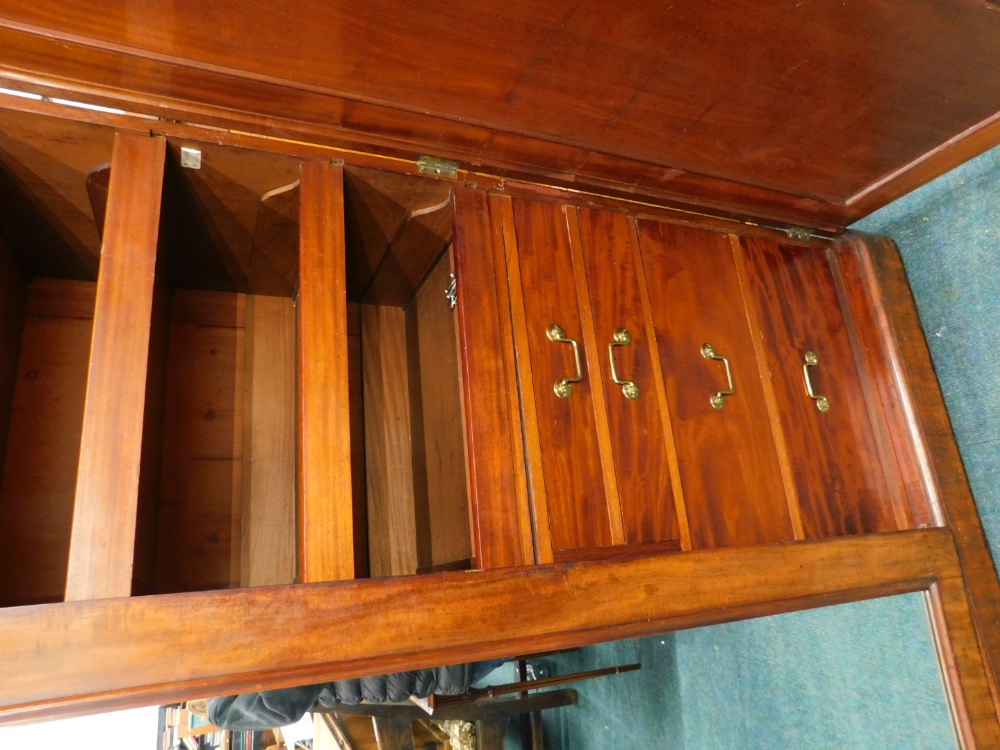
(860, 675)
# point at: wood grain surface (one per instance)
(502, 528)
(669, 87)
(151, 653)
(267, 522)
(839, 480)
(326, 515)
(46, 412)
(438, 376)
(389, 455)
(727, 458)
(570, 459)
(104, 514)
(910, 374)
(202, 442)
(639, 446)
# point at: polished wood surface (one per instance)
(754, 96)
(149, 652)
(435, 375)
(326, 515)
(639, 446)
(515, 328)
(501, 520)
(728, 464)
(104, 513)
(840, 485)
(570, 460)
(905, 456)
(38, 479)
(956, 632)
(911, 374)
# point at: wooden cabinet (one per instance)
(700, 426)
(616, 408)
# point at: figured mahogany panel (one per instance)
(570, 458)
(638, 443)
(729, 468)
(149, 652)
(498, 498)
(839, 480)
(763, 96)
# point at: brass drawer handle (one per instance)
(622, 338)
(718, 399)
(564, 388)
(822, 402)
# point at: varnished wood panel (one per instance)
(441, 424)
(840, 483)
(637, 435)
(728, 464)
(502, 527)
(267, 522)
(326, 535)
(104, 514)
(389, 470)
(910, 374)
(671, 86)
(906, 459)
(150, 652)
(39, 474)
(570, 457)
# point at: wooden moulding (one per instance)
(326, 530)
(104, 516)
(159, 648)
(924, 424)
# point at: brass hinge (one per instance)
(451, 292)
(432, 165)
(800, 234)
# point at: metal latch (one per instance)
(432, 165)
(452, 292)
(801, 234)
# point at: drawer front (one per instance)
(577, 510)
(728, 463)
(638, 426)
(835, 463)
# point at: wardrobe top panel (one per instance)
(816, 101)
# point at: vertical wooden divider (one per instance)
(326, 528)
(596, 374)
(107, 487)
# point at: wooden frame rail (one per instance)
(156, 649)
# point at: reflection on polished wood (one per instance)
(783, 113)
